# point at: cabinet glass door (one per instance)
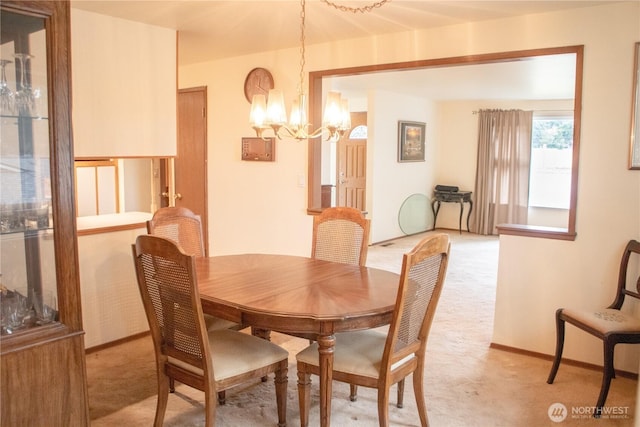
(27, 254)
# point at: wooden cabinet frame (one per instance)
(43, 368)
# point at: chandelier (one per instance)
(270, 113)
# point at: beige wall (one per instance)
(389, 183)
(253, 206)
(536, 276)
(124, 81)
(260, 207)
(111, 304)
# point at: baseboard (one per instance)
(116, 342)
(440, 229)
(591, 366)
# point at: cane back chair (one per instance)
(372, 359)
(184, 227)
(185, 350)
(341, 234)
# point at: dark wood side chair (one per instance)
(372, 359)
(610, 324)
(185, 350)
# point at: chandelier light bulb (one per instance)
(258, 114)
(346, 115)
(276, 113)
(298, 117)
(332, 110)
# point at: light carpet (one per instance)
(466, 382)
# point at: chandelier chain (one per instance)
(302, 47)
(336, 117)
(362, 9)
(342, 8)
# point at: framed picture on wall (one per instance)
(411, 141)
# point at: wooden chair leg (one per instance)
(265, 334)
(353, 392)
(560, 327)
(172, 385)
(281, 392)
(607, 374)
(383, 406)
(418, 390)
(163, 398)
(222, 397)
(209, 408)
(400, 402)
(304, 395)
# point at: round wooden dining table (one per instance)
(299, 295)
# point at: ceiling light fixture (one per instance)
(270, 113)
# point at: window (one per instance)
(551, 160)
(359, 132)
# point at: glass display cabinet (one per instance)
(26, 223)
(43, 372)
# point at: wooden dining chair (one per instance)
(185, 350)
(341, 234)
(611, 324)
(180, 225)
(185, 228)
(372, 359)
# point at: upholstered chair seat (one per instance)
(604, 320)
(361, 356)
(214, 323)
(233, 353)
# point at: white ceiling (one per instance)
(211, 30)
(537, 78)
(218, 29)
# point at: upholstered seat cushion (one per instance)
(234, 353)
(214, 323)
(604, 320)
(357, 353)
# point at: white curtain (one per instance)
(502, 174)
